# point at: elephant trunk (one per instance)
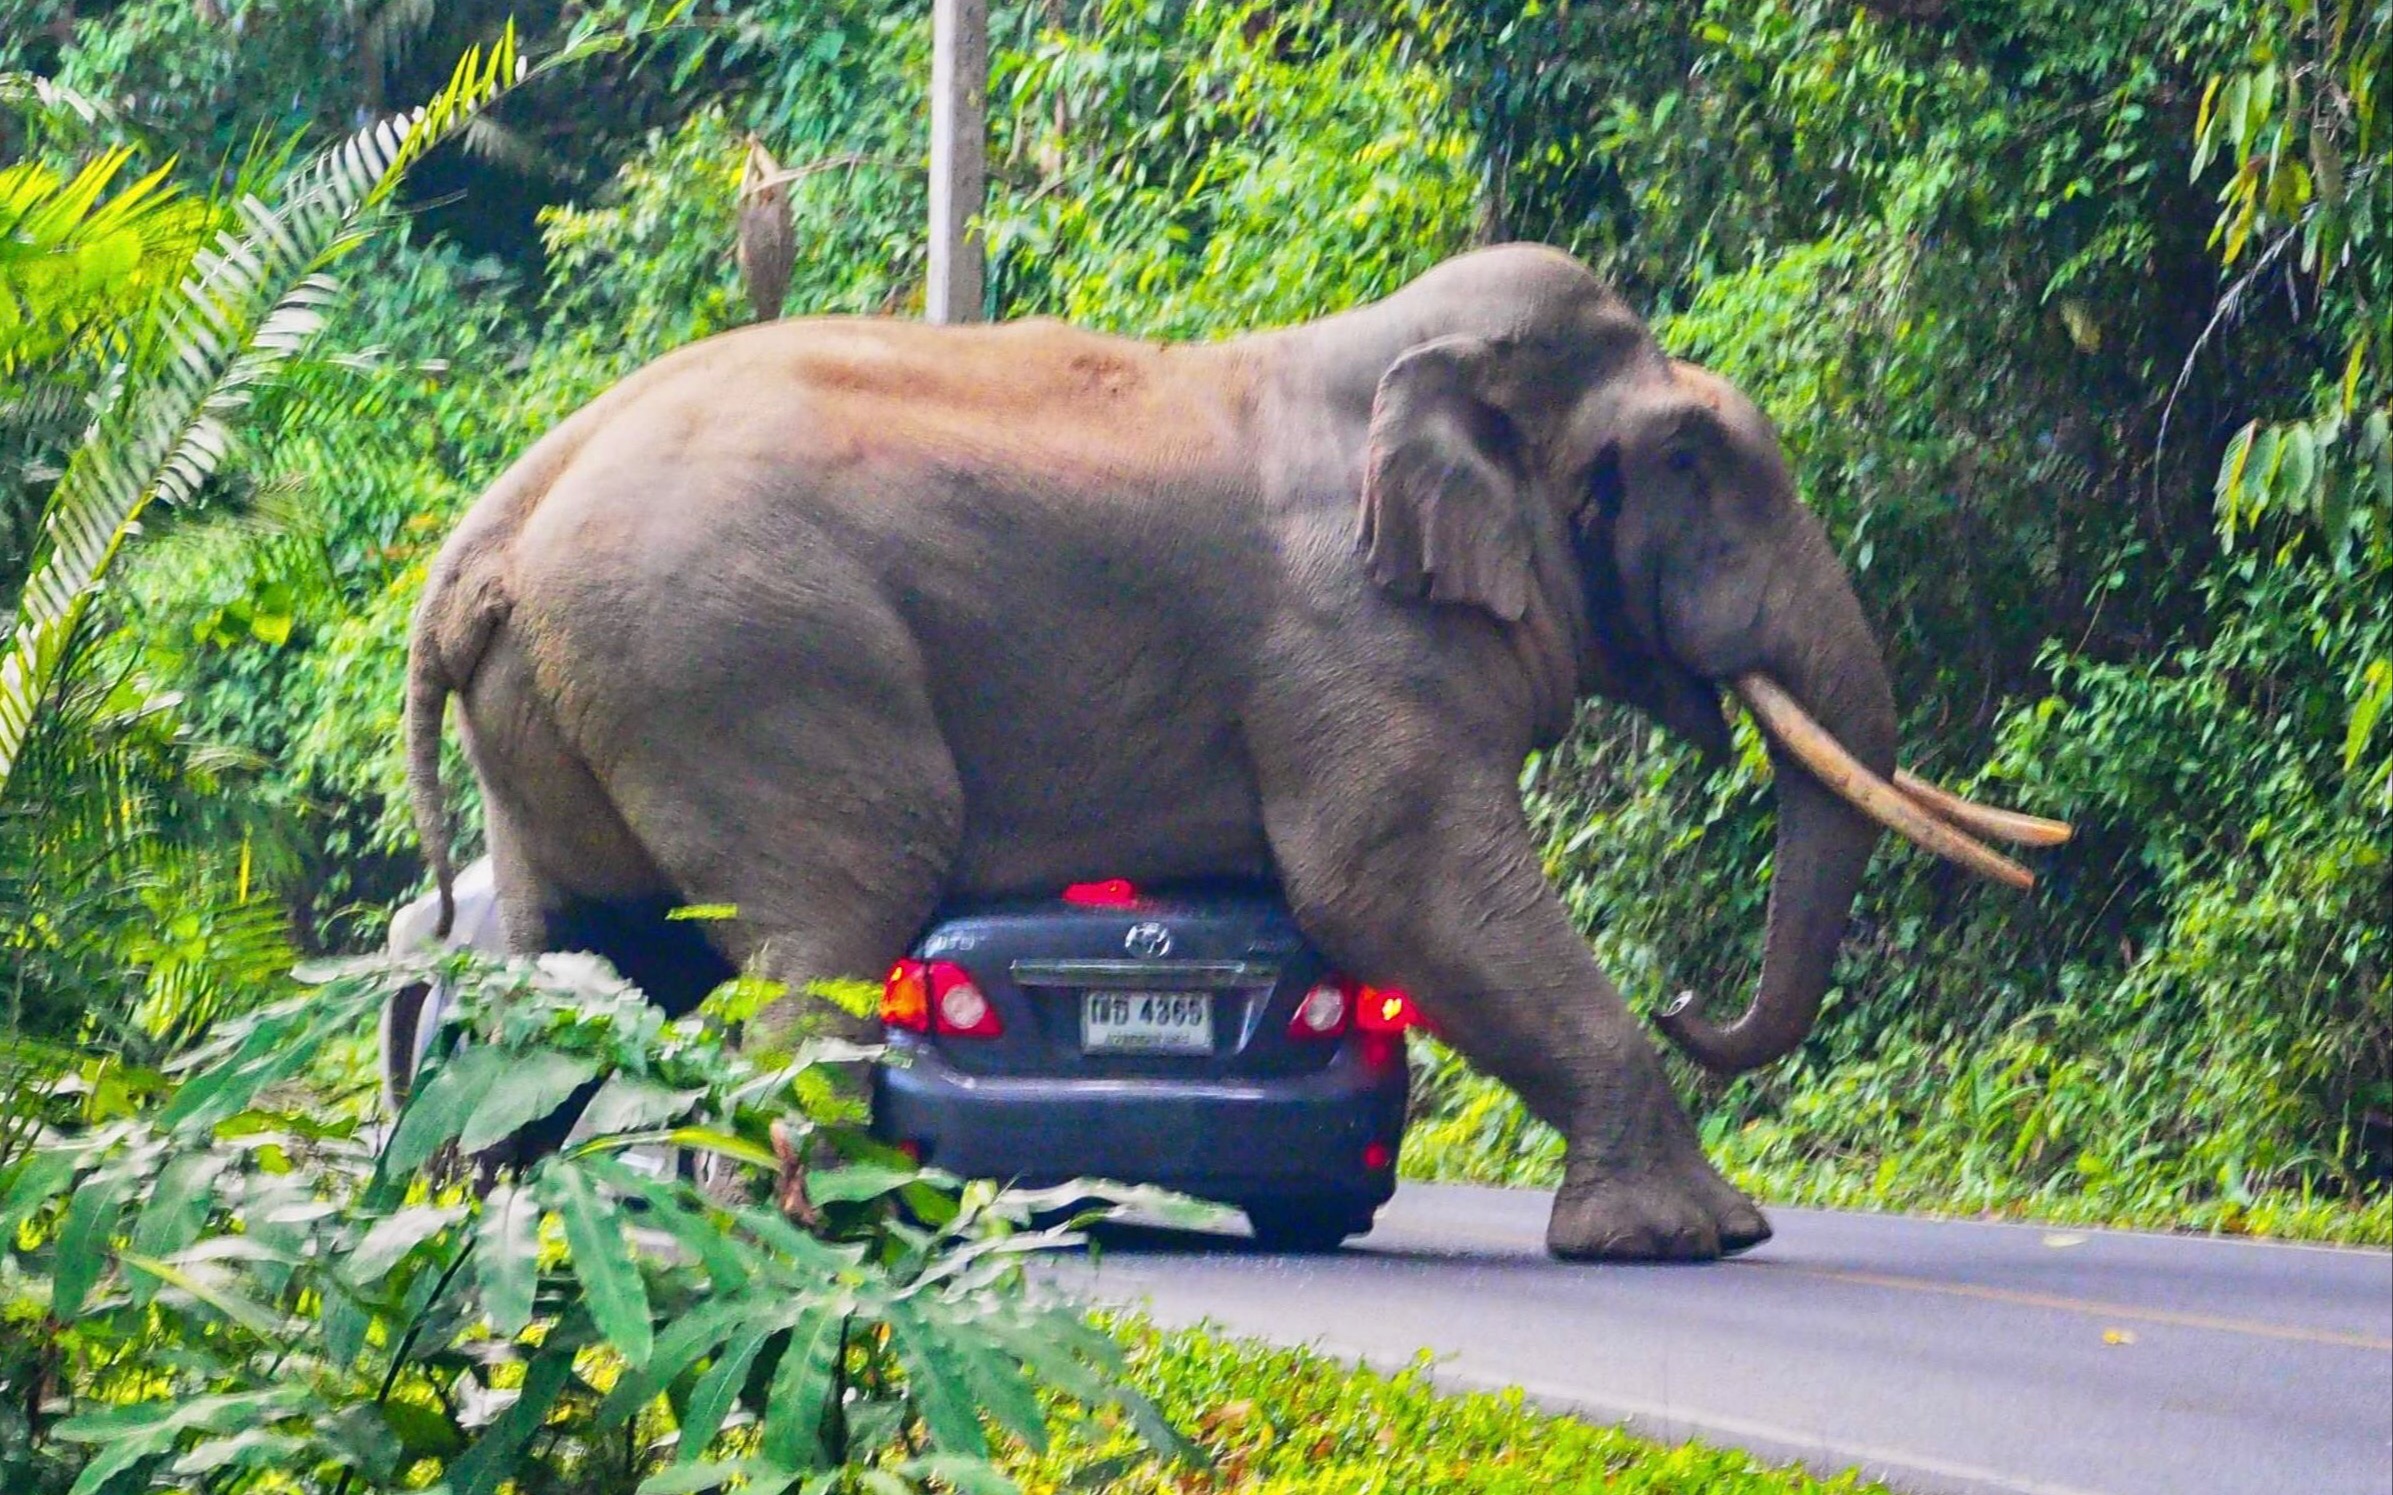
(1824, 843)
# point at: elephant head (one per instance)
(1637, 517)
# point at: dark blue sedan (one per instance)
(1188, 1038)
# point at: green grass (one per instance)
(2013, 1129)
(1293, 1422)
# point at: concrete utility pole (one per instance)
(959, 156)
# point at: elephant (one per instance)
(831, 619)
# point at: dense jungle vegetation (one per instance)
(2076, 317)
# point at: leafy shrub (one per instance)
(1175, 147)
(1294, 1422)
(221, 1283)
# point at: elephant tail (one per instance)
(453, 626)
(428, 691)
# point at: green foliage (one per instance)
(216, 1282)
(247, 307)
(134, 917)
(1967, 265)
(76, 253)
(1294, 1422)
(1173, 147)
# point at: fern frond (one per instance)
(251, 302)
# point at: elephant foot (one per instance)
(1653, 1217)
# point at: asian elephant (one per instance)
(832, 619)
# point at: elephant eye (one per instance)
(1680, 459)
(1603, 484)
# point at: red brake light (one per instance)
(1113, 892)
(1322, 1013)
(1384, 1009)
(918, 993)
(906, 996)
(959, 1005)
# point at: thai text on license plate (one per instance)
(1147, 1022)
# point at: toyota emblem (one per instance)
(1148, 941)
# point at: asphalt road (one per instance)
(1935, 1355)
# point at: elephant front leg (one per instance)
(1437, 889)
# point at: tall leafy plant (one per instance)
(230, 1290)
(251, 301)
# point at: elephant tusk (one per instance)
(1982, 820)
(1851, 781)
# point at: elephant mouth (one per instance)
(1931, 818)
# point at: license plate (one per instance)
(1146, 1022)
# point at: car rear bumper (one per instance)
(1302, 1136)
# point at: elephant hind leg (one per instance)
(821, 805)
(559, 849)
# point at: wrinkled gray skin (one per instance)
(828, 619)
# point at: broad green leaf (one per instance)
(2234, 114)
(2231, 469)
(858, 1181)
(436, 1113)
(279, 1043)
(708, 1139)
(125, 1436)
(791, 1432)
(120, 1454)
(252, 1448)
(965, 1476)
(390, 1240)
(760, 1478)
(627, 1103)
(2376, 692)
(91, 1218)
(2206, 119)
(935, 1381)
(998, 1385)
(250, 1314)
(424, 1432)
(773, 1229)
(677, 1349)
(536, 1083)
(40, 1179)
(364, 1440)
(507, 1258)
(2297, 468)
(712, 1399)
(492, 1458)
(178, 1204)
(1048, 1345)
(725, 1257)
(602, 1258)
(345, 1322)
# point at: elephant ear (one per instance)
(1445, 499)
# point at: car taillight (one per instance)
(1384, 1009)
(906, 996)
(1113, 892)
(919, 993)
(1322, 1013)
(960, 1006)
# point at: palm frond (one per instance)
(75, 250)
(251, 302)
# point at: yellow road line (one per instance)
(2121, 1311)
